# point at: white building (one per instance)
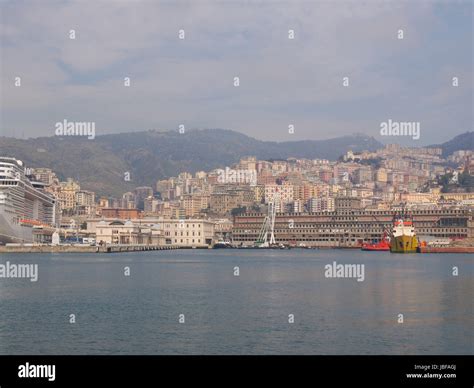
(127, 232)
(187, 233)
(321, 204)
(297, 206)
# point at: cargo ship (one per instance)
(403, 238)
(382, 245)
(24, 204)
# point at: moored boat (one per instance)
(382, 245)
(403, 239)
(222, 244)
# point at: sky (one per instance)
(282, 81)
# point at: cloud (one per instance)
(190, 81)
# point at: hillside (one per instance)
(464, 141)
(100, 164)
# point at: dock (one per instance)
(83, 248)
(451, 249)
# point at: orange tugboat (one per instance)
(382, 245)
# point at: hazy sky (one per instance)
(282, 81)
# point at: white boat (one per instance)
(222, 244)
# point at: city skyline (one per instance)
(282, 81)
(365, 184)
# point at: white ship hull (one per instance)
(14, 233)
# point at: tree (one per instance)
(238, 210)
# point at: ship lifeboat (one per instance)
(28, 222)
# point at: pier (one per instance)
(133, 248)
(27, 248)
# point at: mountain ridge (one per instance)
(463, 141)
(101, 164)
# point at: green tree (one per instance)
(238, 210)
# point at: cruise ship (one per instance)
(24, 204)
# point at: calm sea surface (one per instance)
(245, 314)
